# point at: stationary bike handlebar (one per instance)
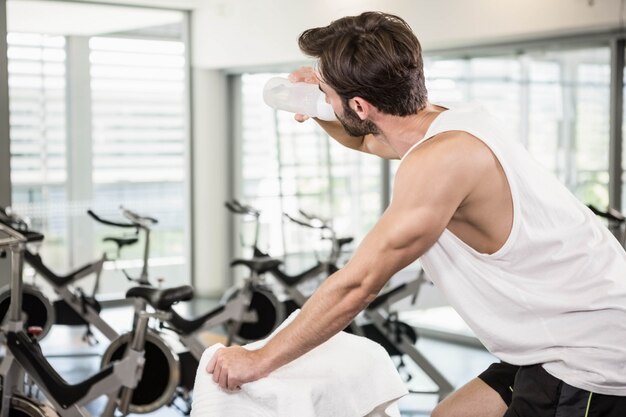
(141, 221)
(314, 222)
(303, 223)
(325, 223)
(310, 221)
(135, 220)
(238, 208)
(109, 222)
(14, 237)
(12, 219)
(328, 233)
(611, 214)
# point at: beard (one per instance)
(354, 126)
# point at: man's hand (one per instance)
(233, 366)
(303, 75)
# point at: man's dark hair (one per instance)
(373, 55)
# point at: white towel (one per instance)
(347, 376)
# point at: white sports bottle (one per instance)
(304, 98)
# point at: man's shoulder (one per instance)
(453, 159)
(452, 147)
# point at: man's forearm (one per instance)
(331, 308)
(388, 248)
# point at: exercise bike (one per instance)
(177, 367)
(24, 365)
(74, 307)
(140, 224)
(247, 313)
(289, 285)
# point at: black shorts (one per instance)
(530, 391)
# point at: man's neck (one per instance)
(402, 132)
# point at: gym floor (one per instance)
(75, 360)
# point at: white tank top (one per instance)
(555, 292)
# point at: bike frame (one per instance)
(124, 373)
(62, 287)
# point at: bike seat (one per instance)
(121, 241)
(188, 326)
(258, 265)
(344, 241)
(30, 357)
(162, 299)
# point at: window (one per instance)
(555, 102)
(136, 118)
(38, 136)
(289, 166)
(139, 138)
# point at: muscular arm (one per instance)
(431, 184)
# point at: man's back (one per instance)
(552, 291)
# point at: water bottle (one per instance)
(303, 98)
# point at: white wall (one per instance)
(239, 33)
(70, 18)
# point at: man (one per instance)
(537, 277)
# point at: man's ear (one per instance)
(361, 107)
